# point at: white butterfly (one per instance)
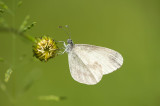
(88, 63)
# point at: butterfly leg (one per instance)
(63, 43)
(63, 48)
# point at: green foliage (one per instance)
(21, 32)
(3, 5)
(8, 74)
(23, 28)
(29, 27)
(51, 98)
(19, 3)
(25, 22)
(2, 86)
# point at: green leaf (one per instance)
(2, 86)
(3, 5)
(23, 25)
(8, 74)
(19, 3)
(29, 27)
(51, 98)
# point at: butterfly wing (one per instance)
(84, 73)
(106, 59)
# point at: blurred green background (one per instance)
(131, 27)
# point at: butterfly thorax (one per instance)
(69, 46)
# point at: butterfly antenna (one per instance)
(66, 26)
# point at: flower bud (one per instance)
(45, 48)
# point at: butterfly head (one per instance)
(69, 41)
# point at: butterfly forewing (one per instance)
(108, 59)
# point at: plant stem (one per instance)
(13, 51)
(16, 32)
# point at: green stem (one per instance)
(16, 32)
(13, 50)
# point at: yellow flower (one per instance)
(45, 48)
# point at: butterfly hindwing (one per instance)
(84, 73)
